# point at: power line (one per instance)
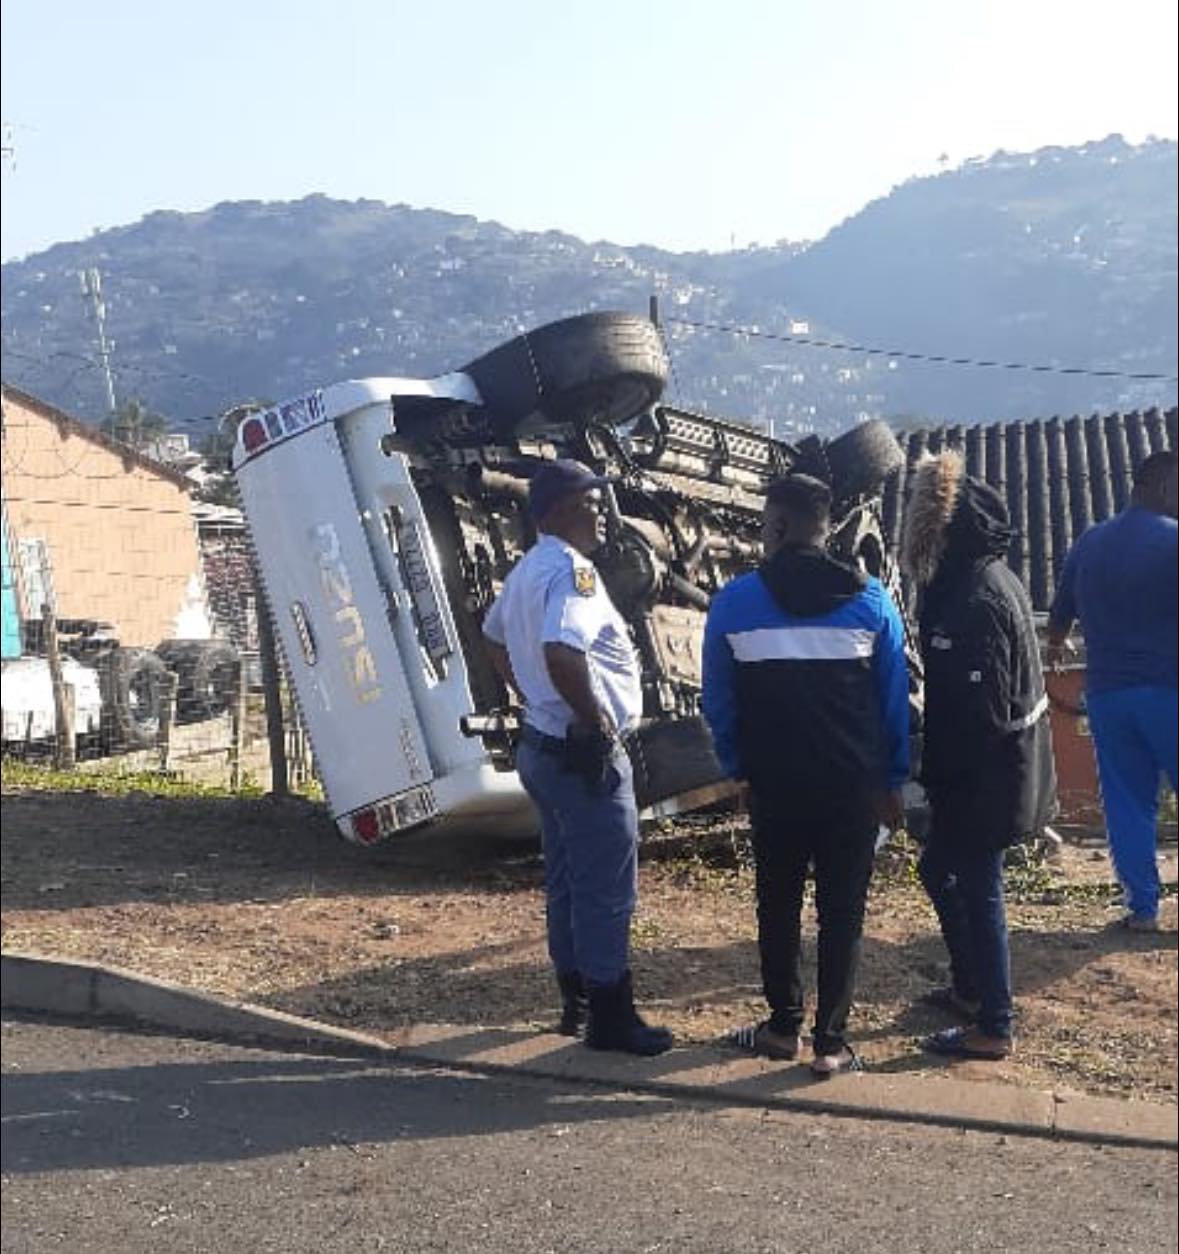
(936, 359)
(89, 363)
(147, 372)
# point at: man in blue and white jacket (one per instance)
(806, 691)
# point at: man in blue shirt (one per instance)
(556, 638)
(806, 691)
(1120, 580)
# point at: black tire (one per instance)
(598, 367)
(890, 509)
(207, 674)
(861, 459)
(131, 682)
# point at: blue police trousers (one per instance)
(590, 838)
(1134, 733)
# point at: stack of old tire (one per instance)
(1059, 475)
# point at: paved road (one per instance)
(124, 1143)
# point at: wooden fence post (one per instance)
(238, 726)
(168, 691)
(64, 756)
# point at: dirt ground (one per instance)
(263, 902)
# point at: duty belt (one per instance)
(554, 745)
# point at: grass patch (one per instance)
(111, 782)
(1168, 807)
(645, 934)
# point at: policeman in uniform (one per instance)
(556, 639)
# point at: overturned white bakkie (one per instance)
(354, 587)
(386, 513)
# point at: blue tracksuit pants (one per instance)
(1134, 732)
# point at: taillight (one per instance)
(366, 827)
(253, 434)
(393, 814)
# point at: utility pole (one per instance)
(91, 282)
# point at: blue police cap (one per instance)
(556, 480)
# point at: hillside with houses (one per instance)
(1064, 258)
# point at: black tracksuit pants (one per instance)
(836, 836)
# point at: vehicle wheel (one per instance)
(207, 674)
(859, 541)
(131, 682)
(861, 459)
(601, 367)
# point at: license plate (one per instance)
(419, 578)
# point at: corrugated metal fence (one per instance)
(1059, 476)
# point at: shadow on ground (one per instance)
(69, 850)
(498, 985)
(201, 1112)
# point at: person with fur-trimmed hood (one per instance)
(987, 751)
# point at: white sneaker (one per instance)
(827, 1065)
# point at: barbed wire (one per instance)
(16, 457)
(120, 370)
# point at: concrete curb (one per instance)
(85, 990)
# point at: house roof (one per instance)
(218, 517)
(68, 425)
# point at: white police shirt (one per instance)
(554, 595)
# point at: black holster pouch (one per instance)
(590, 755)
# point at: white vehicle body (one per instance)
(29, 714)
(386, 514)
(355, 593)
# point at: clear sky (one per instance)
(682, 123)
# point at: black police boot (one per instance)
(573, 1002)
(615, 1024)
